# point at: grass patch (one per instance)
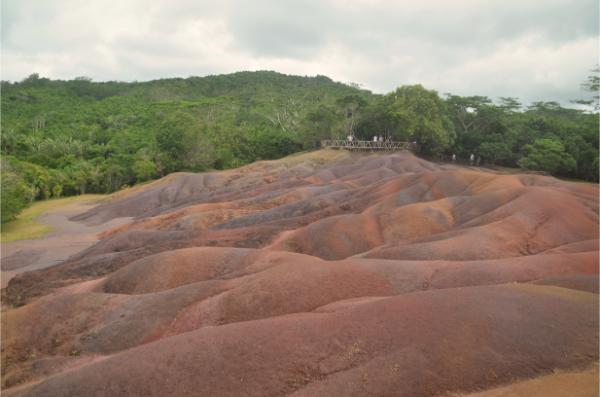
(25, 226)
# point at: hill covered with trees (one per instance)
(79, 136)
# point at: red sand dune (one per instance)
(327, 273)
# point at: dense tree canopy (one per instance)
(78, 136)
(549, 155)
(411, 113)
(422, 117)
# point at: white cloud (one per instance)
(537, 50)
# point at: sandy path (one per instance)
(66, 239)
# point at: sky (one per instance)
(530, 49)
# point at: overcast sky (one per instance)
(532, 49)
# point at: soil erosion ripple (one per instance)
(321, 274)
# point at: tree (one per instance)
(592, 84)
(199, 154)
(477, 120)
(382, 118)
(466, 111)
(9, 142)
(56, 191)
(179, 142)
(144, 170)
(79, 175)
(81, 135)
(33, 80)
(510, 104)
(266, 143)
(492, 152)
(16, 193)
(547, 155)
(350, 106)
(423, 115)
(316, 126)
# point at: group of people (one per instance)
(381, 139)
(376, 138)
(472, 160)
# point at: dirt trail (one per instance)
(66, 239)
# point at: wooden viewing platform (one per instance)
(367, 145)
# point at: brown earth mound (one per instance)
(326, 273)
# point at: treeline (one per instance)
(78, 136)
(542, 136)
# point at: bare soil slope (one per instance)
(321, 274)
(65, 237)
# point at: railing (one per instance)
(367, 145)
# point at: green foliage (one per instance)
(61, 138)
(144, 169)
(79, 136)
(492, 152)
(319, 124)
(350, 107)
(56, 191)
(421, 114)
(547, 155)
(505, 134)
(267, 143)
(174, 138)
(16, 193)
(592, 84)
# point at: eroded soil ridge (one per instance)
(322, 274)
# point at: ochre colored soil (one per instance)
(582, 383)
(322, 274)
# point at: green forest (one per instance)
(79, 136)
